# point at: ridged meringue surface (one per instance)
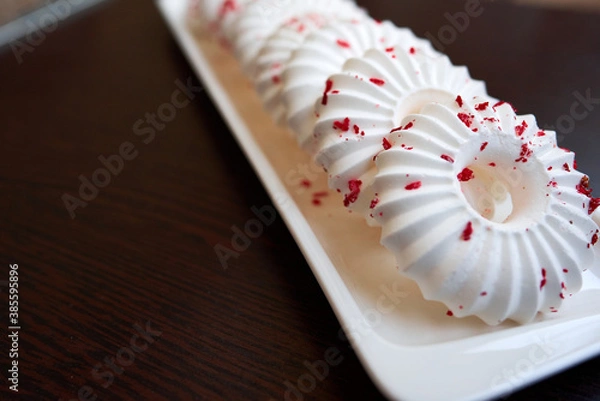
(324, 52)
(484, 211)
(263, 17)
(367, 100)
(274, 55)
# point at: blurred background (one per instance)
(14, 14)
(572, 4)
(20, 17)
(13, 9)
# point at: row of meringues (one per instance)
(480, 206)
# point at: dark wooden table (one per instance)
(127, 300)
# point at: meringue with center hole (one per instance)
(324, 52)
(367, 100)
(484, 211)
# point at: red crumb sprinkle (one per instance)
(549, 168)
(492, 164)
(520, 129)
(328, 86)
(465, 175)
(377, 81)
(389, 49)
(565, 270)
(525, 153)
(386, 144)
(354, 187)
(413, 185)
(356, 129)
(374, 203)
(483, 146)
(467, 119)
(584, 186)
(407, 147)
(467, 232)
(226, 7)
(305, 183)
(482, 106)
(343, 43)
(490, 119)
(447, 158)
(540, 133)
(595, 238)
(594, 203)
(343, 126)
(400, 128)
(449, 313)
(500, 103)
(566, 167)
(316, 197)
(459, 101)
(483, 293)
(543, 282)
(276, 80)
(412, 50)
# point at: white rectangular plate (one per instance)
(408, 346)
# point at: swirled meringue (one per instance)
(484, 211)
(262, 17)
(363, 103)
(324, 52)
(274, 55)
(215, 16)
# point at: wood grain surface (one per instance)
(127, 300)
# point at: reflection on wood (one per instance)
(581, 5)
(11, 9)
